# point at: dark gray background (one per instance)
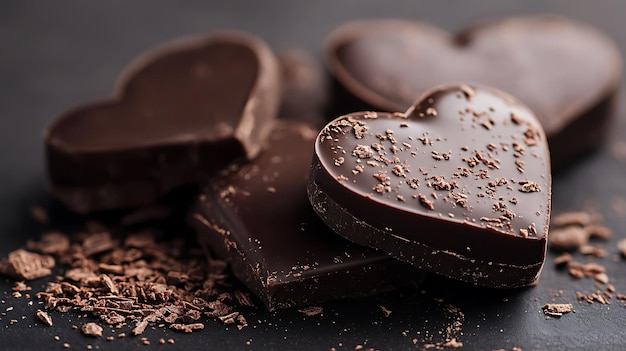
(55, 54)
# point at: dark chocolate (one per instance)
(566, 72)
(305, 91)
(179, 114)
(458, 185)
(258, 218)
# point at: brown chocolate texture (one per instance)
(459, 184)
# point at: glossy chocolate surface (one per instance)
(567, 73)
(459, 184)
(257, 217)
(179, 113)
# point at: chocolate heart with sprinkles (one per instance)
(459, 185)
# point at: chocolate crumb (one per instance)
(567, 238)
(453, 344)
(386, 311)
(530, 187)
(431, 111)
(557, 309)
(92, 329)
(467, 91)
(571, 218)
(591, 250)
(22, 264)
(426, 202)
(311, 311)
(564, 258)
(572, 230)
(44, 317)
(187, 328)
(96, 243)
(362, 151)
(20, 287)
(516, 119)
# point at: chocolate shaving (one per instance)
(97, 243)
(44, 317)
(243, 299)
(187, 328)
(311, 311)
(572, 230)
(22, 264)
(92, 329)
(51, 243)
(557, 309)
(139, 283)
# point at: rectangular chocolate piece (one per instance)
(258, 218)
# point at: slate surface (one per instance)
(58, 53)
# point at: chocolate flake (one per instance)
(467, 91)
(22, 264)
(430, 111)
(311, 311)
(564, 258)
(453, 344)
(96, 243)
(92, 329)
(530, 187)
(386, 311)
(50, 243)
(557, 309)
(44, 317)
(187, 328)
(572, 230)
(426, 202)
(362, 151)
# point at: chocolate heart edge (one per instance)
(525, 256)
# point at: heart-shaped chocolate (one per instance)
(458, 185)
(567, 73)
(179, 114)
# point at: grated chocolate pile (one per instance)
(126, 277)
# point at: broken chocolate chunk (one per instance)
(22, 264)
(275, 243)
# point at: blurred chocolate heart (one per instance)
(566, 72)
